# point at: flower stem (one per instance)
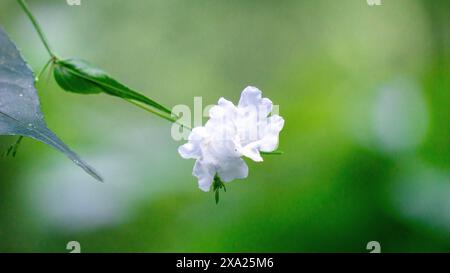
(36, 25)
(172, 119)
(217, 185)
(276, 152)
(38, 77)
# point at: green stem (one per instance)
(159, 114)
(276, 152)
(38, 77)
(37, 27)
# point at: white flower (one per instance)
(230, 133)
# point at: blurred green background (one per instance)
(364, 91)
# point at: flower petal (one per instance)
(252, 103)
(251, 96)
(235, 168)
(198, 134)
(224, 111)
(192, 149)
(265, 108)
(269, 143)
(276, 123)
(205, 173)
(269, 139)
(189, 150)
(251, 151)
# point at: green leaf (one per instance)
(20, 112)
(79, 76)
